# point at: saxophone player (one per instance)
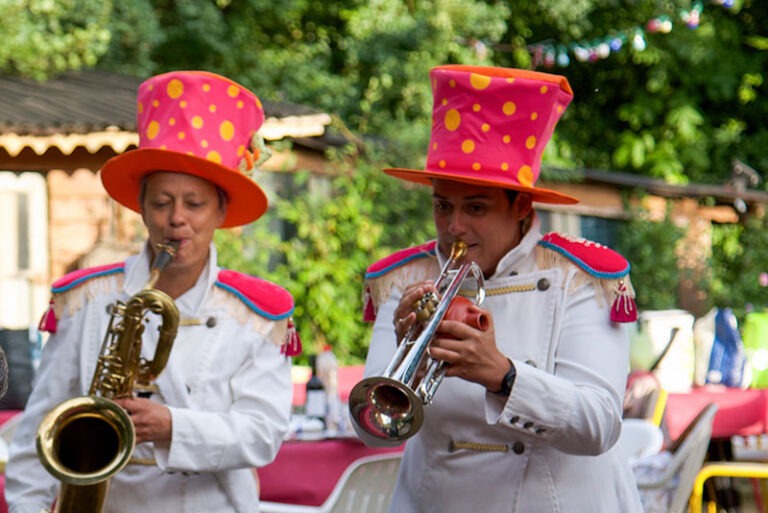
(528, 416)
(221, 405)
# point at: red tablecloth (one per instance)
(740, 412)
(306, 472)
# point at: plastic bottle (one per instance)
(315, 405)
(328, 371)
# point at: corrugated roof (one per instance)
(94, 109)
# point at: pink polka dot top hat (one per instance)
(197, 123)
(490, 126)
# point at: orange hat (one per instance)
(197, 123)
(490, 127)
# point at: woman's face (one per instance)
(481, 216)
(185, 209)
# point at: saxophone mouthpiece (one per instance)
(164, 255)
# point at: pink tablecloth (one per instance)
(306, 472)
(740, 412)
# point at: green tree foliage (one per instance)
(740, 255)
(651, 247)
(41, 38)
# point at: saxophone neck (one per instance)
(164, 254)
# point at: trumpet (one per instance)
(391, 406)
(85, 441)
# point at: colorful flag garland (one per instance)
(549, 54)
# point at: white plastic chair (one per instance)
(687, 459)
(366, 486)
(640, 438)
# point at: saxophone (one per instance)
(83, 442)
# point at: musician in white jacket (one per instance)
(222, 402)
(528, 416)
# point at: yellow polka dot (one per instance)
(525, 176)
(510, 80)
(197, 122)
(476, 166)
(155, 103)
(444, 102)
(530, 142)
(452, 83)
(534, 116)
(504, 166)
(140, 108)
(204, 143)
(544, 89)
(183, 104)
(476, 107)
(227, 130)
(163, 147)
(506, 139)
(182, 136)
(441, 163)
(151, 87)
(240, 104)
(153, 129)
(434, 146)
(240, 150)
(206, 87)
(233, 91)
(212, 108)
(479, 81)
(214, 156)
(172, 121)
(485, 127)
(452, 120)
(258, 103)
(509, 108)
(175, 88)
(559, 109)
(468, 146)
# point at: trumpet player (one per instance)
(528, 416)
(221, 405)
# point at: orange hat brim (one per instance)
(122, 175)
(537, 194)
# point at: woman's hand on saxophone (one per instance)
(151, 420)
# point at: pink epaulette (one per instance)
(601, 262)
(70, 281)
(75, 278)
(265, 298)
(389, 263)
(399, 259)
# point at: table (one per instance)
(740, 412)
(305, 472)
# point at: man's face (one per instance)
(182, 208)
(481, 216)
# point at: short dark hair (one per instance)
(511, 195)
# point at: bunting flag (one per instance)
(549, 54)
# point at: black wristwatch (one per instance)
(508, 381)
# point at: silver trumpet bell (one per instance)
(391, 406)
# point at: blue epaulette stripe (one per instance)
(75, 283)
(420, 254)
(250, 304)
(583, 265)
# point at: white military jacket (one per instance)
(549, 447)
(227, 385)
